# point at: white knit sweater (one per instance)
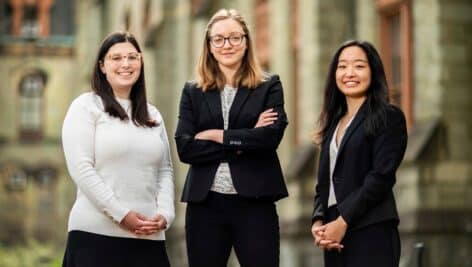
(117, 167)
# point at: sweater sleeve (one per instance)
(78, 140)
(165, 178)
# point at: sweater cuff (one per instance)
(168, 216)
(117, 213)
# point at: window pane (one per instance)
(5, 18)
(62, 18)
(30, 23)
(30, 104)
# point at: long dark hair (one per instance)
(100, 85)
(377, 101)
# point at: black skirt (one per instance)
(93, 250)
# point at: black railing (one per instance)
(417, 255)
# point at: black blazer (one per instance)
(250, 152)
(365, 169)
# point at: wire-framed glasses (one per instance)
(234, 39)
(133, 58)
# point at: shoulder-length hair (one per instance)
(377, 100)
(209, 75)
(100, 85)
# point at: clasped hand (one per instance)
(141, 225)
(329, 236)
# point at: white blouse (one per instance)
(117, 167)
(333, 154)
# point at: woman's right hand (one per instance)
(134, 222)
(266, 118)
(316, 232)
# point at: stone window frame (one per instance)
(31, 90)
(41, 7)
(15, 176)
(401, 11)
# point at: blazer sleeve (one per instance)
(265, 138)
(318, 211)
(388, 150)
(193, 151)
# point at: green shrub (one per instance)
(33, 254)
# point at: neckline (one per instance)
(227, 86)
(126, 101)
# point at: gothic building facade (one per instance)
(47, 50)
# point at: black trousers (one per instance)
(92, 250)
(371, 246)
(223, 221)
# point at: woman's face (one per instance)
(122, 66)
(353, 73)
(230, 36)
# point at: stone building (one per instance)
(47, 50)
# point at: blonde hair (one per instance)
(209, 75)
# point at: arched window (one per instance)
(31, 106)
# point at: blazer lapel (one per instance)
(324, 156)
(239, 100)
(213, 99)
(359, 118)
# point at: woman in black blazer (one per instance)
(363, 139)
(231, 121)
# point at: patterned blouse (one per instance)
(223, 183)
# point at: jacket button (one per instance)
(336, 180)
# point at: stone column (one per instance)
(281, 63)
(310, 90)
(17, 16)
(44, 16)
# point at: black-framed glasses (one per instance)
(234, 39)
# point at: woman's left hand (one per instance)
(215, 135)
(161, 221)
(266, 118)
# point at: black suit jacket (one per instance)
(364, 173)
(250, 152)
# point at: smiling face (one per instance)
(353, 73)
(230, 55)
(122, 67)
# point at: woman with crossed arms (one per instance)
(231, 121)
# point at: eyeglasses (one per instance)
(133, 58)
(234, 39)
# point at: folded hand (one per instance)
(141, 225)
(324, 240)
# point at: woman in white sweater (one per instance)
(117, 153)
